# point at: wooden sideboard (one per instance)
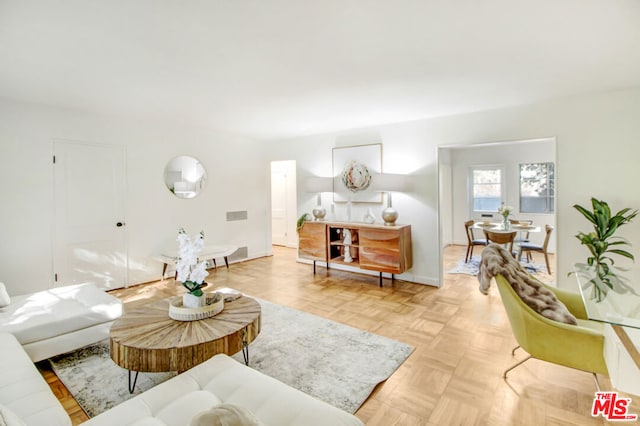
(373, 247)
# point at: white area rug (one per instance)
(331, 361)
(472, 267)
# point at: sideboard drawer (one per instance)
(386, 250)
(312, 241)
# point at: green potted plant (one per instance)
(301, 220)
(602, 243)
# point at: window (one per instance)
(487, 188)
(537, 188)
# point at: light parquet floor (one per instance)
(462, 343)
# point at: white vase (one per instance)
(191, 301)
(369, 217)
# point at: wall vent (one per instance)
(239, 215)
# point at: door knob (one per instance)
(119, 224)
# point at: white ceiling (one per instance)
(285, 68)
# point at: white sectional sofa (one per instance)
(223, 380)
(35, 327)
(23, 390)
(61, 319)
(219, 381)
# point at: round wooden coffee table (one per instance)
(146, 339)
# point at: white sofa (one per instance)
(61, 319)
(23, 390)
(35, 327)
(220, 380)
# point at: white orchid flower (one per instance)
(188, 269)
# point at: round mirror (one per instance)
(185, 176)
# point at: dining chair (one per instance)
(471, 240)
(504, 238)
(524, 235)
(529, 247)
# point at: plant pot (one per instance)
(191, 301)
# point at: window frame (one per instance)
(471, 185)
(551, 185)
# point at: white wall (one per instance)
(403, 151)
(509, 156)
(597, 143)
(597, 154)
(238, 179)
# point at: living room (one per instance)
(592, 116)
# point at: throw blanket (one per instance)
(496, 260)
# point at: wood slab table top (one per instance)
(146, 339)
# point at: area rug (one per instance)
(333, 362)
(473, 265)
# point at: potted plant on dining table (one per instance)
(505, 211)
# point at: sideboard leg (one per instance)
(314, 267)
(380, 279)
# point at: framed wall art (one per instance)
(353, 170)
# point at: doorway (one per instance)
(456, 204)
(283, 203)
(89, 242)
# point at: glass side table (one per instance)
(619, 305)
(619, 309)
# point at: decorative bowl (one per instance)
(178, 312)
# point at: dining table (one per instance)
(499, 227)
(523, 229)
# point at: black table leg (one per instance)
(135, 379)
(164, 270)
(245, 347)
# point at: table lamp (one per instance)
(388, 182)
(319, 185)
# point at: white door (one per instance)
(89, 239)
(278, 203)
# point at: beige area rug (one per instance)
(328, 360)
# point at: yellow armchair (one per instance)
(576, 346)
